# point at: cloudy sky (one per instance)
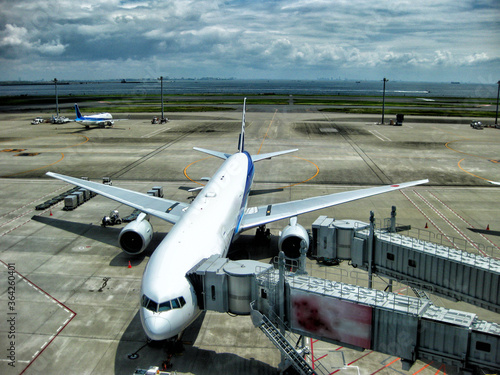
(422, 40)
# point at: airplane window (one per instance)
(148, 303)
(152, 305)
(164, 306)
(175, 304)
(182, 301)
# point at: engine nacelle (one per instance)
(136, 235)
(291, 238)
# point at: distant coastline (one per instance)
(202, 86)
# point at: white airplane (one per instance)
(203, 228)
(100, 119)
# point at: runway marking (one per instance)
(77, 144)
(190, 164)
(447, 144)
(453, 226)
(424, 215)
(350, 363)
(465, 221)
(152, 134)
(267, 131)
(472, 174)
(309, 179)
(31, 203)
(60, 304)
(380, 136)
(423, 368)
(387, 365)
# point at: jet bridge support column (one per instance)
(371, 249)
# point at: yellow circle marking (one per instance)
(194, 162)
(462, 152)
(472, 174)
(447, 144)
(309, 179)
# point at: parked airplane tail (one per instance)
(241, 141)
(78, 113)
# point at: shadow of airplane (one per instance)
(192, 359)
(105, 235)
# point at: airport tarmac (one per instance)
(76, 299)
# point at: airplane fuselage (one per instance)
(207, 228)
(101, 119)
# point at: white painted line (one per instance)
(380, 136)
(156, 132)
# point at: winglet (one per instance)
(241, 142)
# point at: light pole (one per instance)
(498, 94)
(57, 100)
(161, 80)
(383, 100)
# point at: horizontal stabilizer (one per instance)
(218, 154)
(256, 158)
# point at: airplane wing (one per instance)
(259, 157)
(165, 209)
(256, 216)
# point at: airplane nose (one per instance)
(157, 328)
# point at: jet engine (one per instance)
(291, 238)
(136, 235)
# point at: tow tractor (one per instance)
(156, 120)
(112, 219)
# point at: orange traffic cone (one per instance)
(426, 226)
(50, 212)
(488, 227)
(129, 265)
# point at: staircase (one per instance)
(285, 347)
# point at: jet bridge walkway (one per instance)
(349, 315)
(423, 265)
(362, 318)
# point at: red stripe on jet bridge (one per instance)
(394, 185)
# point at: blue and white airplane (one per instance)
(203, 228)
(100, 119)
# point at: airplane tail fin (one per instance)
(241, 141)
(78, 113)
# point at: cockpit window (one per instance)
(151, 305)
(165, 306)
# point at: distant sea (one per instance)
(255, 87)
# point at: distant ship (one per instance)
(455, 83)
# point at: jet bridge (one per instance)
(281, 301)
(439, 269)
